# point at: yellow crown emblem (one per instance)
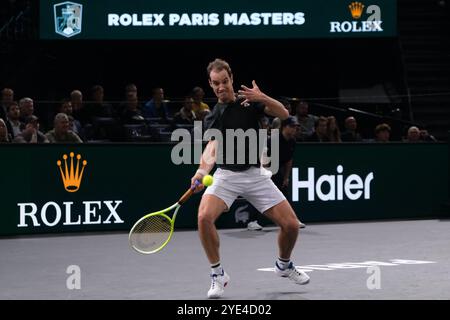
(71, 178)
(356, 9)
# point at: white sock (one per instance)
(283, 263)
(216, 268)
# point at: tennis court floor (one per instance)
(363, 260)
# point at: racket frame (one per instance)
(177, 206)
(163, 212)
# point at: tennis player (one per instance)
(248, 180)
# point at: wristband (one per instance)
(202, 172)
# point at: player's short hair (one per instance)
(219, 65)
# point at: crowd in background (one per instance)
(76, 120)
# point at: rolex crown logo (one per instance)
(356, 9)
(71, 176)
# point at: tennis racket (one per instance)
(153, 231)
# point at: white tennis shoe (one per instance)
(218, 283)
(254, 226)
(298, 276)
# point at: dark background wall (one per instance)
(302, 68)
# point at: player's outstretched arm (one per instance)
(273, 107)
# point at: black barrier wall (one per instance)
(120, 183)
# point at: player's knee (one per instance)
(290, 226)
(204, 217)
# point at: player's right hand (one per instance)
(200, 187)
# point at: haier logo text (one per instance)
(339, 186)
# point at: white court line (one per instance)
(353, 265)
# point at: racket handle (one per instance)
(189, 193)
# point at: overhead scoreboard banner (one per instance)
(72, 188)
(205, 19)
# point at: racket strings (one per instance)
(151, 233)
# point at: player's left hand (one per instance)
(199, 187)
(250, 94)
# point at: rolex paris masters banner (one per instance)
(231, 19)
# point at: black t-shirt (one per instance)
(236, 116)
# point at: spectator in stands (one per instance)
(61, 133)
(15, 126)
(186, 115)
(276, 123)
(307, 121)
(425, 136)
(287, 143)
(4, 135)
(78, 111)
(97, 108)
(76, 98)
(200, 108)
(382, 133)
(413, 134)
(287, 105)
(334, 134)
(132, 113)
(26, 106)
(156, 107)
(131, 92)
(7, 99)
(264, 123)
(74, 125)
(31, 133)
(321, 131)
(351, 134)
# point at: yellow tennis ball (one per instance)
(207, 180)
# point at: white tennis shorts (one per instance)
(253, 184)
